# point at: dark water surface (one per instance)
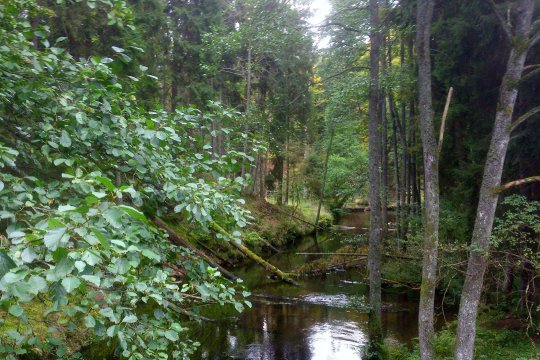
(325, 318)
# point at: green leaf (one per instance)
(111, 331)
(37, 284)
(239, 307)
(63, 208)
(57, 291)
(89, 321)
(16, 310)
(101, 238)
(28, 255)
(92, 278)
(130, 319)
(64, 267)
(113, 217)
(13, 277)
(70, 284)
(118, 49)
(65, 140)
(53, 236)
(90, 258)
(133, 212)
(6, 263)
(150, 255)
(171, 335)
(106, 182)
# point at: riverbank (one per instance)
(278, 225)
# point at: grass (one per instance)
(491, 343)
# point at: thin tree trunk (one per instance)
(404, 149)
(374, 258)
(395, 121)
(321, 196)
(248, 104)
(426, 320)
(487, 202)
(287, 164)
(262, 188)
(384, 148)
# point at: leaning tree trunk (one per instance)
(431, 175)
(487, 202)
(374, 258)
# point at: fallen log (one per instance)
(175, 238)
(250, 254)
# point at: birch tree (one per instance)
(517, 29)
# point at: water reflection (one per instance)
(323, 319)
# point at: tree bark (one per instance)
(374, 258)
(426, 328)
(487, 203)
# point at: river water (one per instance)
(325, 318)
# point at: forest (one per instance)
(266, 179)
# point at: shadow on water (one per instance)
(325, 318)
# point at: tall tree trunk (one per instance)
(487, 202)
(403, 141)
(321, 196)
(374, 258)
(248, 105)
(397, 180)
(384, 146)
(395, 126)
(287, 164)
(431, 174)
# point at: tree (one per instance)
(81, 195)
(518, 32)
(431, 180)
(375, 226)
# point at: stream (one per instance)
(325, 318)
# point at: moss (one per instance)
(42, 327)
(279, 225)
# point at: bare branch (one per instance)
(524, 118)
(516, 183)
(506, 26)
(535, 70)
(443, 121)
(534, 40)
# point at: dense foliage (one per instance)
(91, 171)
